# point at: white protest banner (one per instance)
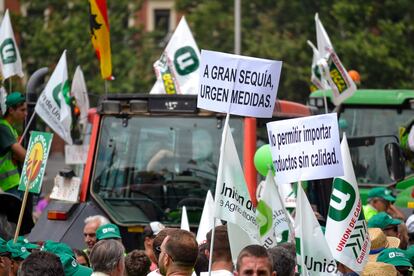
(274, 224)
(177, 68)
(184, 220)
(207, 219)
(335, 73)
(11, 63)
(232, 198)
(346, 228)
(53, 105)
(305, 148)
(239, 85)
(312, 251)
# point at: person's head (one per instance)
(221, 250)
(16, 108)
(254, 260)
(403, 236)
(108, 231)
(107, 256)
(397, 258)
(386, 223)
(81, 257)
(380, 198)
(150, 231)
(89, 231)
(410, 229)
(5, 259)
(201, 264)
(179, 252)
(283, 261)
(157, 241)
(379, 268)
(71, 267)
(379, 242)
(137, 263)
(19, 251)
(41, 263)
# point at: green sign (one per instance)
(35, 162)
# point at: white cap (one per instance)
(410, 224)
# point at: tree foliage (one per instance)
(373, 37)
(49, 27)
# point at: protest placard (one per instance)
(35, 161)
(239, 85)
(305, 148)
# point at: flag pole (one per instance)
(219, 173)
(106, 89)
(23, 207)
(210, 257)
(27, 128)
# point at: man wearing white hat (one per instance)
(150, 231)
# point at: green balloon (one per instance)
(263, 160)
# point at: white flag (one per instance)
(313, 254)
(238, 239)
(331, 67)
(184, 220)
(317, 77)
(53, 105)
(79, 91)
(274, 224)
(207, 219)
(346, 228)
(10, 61)
(3, 96)
(232, 198)
(177, 69)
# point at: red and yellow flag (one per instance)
(99, 29)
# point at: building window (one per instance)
(162, 21)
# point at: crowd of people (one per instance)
(170, 251)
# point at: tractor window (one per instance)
(369, 161)
(147, 168)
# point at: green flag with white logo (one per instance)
(177, 69)
(346, 228)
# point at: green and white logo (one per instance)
(264, 217)
(8, 51)
(65, 92)
(342, 200)
(186, 60)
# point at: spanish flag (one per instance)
(99, 29)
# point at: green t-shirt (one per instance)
(6, 139)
